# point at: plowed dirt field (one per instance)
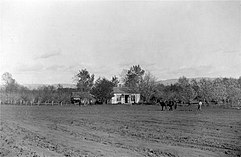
(119, 131)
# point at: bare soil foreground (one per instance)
(119, 131)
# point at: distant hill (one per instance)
(173, 81)
(35, 86)
(168, 82)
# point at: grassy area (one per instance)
(119, 130)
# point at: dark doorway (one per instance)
(126, 98)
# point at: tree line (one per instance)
(217, 91)
(14, 93)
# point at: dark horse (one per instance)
(169, 103)
(163, 104)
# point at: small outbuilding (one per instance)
(82, 98)
(124, 95)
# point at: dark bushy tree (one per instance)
(133, 77)
(85, 81)
(102, 89)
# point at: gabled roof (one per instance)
(122, 90)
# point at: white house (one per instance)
(123, 95)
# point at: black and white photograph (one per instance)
(120, 78)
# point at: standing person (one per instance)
(200, 105)
(175, 105)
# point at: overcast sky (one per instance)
(49, 41)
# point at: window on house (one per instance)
(118, 98)
(133, 98)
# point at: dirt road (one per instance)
(119, 131)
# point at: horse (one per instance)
(168, 103)
(163, 104)
(171, 104)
